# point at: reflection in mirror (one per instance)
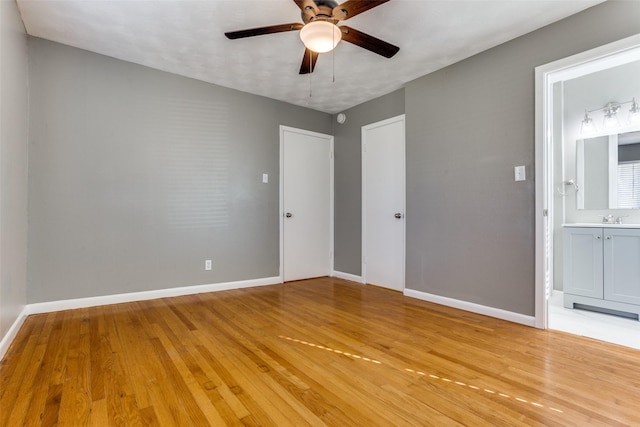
(629, 171)
(608, 172)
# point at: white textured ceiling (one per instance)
(186, 37)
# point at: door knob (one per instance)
(398, 215)
(288, 214)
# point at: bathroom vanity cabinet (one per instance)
(602, 267)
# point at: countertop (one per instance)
(600, 225)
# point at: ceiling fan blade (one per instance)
(308, 61)
(263, 30)
(308, 7)
(368, 42)
(351, 8)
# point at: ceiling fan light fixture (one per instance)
(320, 36)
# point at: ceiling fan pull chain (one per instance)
(333, 58)
(310, 68)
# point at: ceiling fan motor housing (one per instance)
(325, 11)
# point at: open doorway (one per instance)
(566, 90)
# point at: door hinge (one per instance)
(545, 212)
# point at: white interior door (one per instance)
(383, 204)
(306, 204)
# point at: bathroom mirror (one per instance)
(608, 172)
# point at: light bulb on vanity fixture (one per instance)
(587, 127)
(634, 112)
(611, 115)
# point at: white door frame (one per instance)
(364, 200)
(330, 139)
(600, 58)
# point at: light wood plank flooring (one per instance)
(315, 352)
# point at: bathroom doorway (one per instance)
(558, 186)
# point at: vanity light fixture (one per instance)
(610, 116)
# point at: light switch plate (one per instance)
(265, 178)
(520, 174)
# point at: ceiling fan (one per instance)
(320, 32)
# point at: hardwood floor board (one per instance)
(317, 352)
(51, 413)
(606, 396)
(230, 384)
(97, 356)
(34, 357)
(457, 409)
(217, 409)
(83, 396)
(118, 388)
(98, 415)
(15, 362)
(207, 380)
(35, 412)
(71, 404)
(149, 417)
(329, 391)
(188, 371)
(256, 387)
(188, 403)
(18, 410)
(264, 368)
(514, 394)
(140, 366)
(226, 402)
(386, 392)
(404, 376)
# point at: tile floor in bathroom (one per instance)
(605, 327)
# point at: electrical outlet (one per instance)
(519, 173)
(207, 265)
(265, 178)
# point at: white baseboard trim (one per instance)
(47, 307)
(8, 338)
(347, 276)
(473, 307)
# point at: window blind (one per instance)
(629, 185)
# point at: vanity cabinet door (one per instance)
(582, 254)
(622, 265)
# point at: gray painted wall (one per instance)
(122, 197)
(470, 226)
(348, 177)
(137, 176)
(13, 165)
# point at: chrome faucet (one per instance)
(609, 219)
(619, 219)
